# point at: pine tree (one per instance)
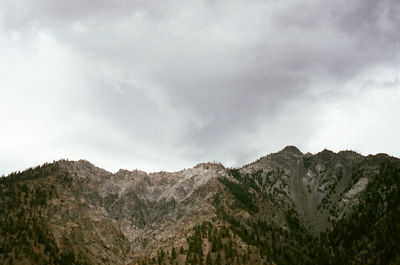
(173, 253)
(214, 244)
(218, 259)
(208, 259)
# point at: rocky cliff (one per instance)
(284, 208)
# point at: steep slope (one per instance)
(51, 216)
(314, 185)
(285, 208)
(335, 201)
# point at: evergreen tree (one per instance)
(208, 259)
(214, 244)
(218, 259)
(173, 253)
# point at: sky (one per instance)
(164, 85)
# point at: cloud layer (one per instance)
(164, 85)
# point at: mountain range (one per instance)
(284, 208)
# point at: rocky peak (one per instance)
(291, 149)
(350, 153)
(325, 154)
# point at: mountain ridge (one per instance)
(284, 207)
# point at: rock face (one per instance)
(284, 208)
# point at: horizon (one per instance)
(163, 85)
(114, 171)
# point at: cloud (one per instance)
(163, 85)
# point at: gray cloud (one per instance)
(159, 85)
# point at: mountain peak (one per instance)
(291, 149)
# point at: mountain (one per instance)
(284, 208)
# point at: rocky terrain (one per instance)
(284, 208)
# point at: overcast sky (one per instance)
(163, 85)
